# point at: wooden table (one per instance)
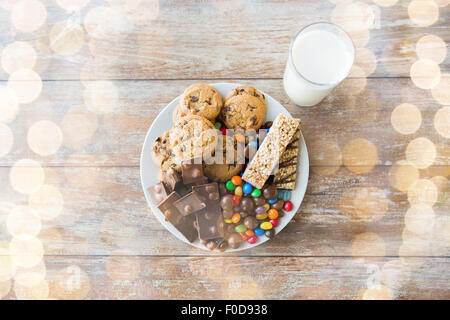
(375, 219)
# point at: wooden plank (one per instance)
(238, 39)
(343, 214)
(115, 138)
(125, 277)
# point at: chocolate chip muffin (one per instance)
(243, 111)
(199, 99)
(230, 167)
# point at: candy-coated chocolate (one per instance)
(236, 218)
(288, 206)
(252, 239)
(238, 191)
(270, 192)
(272, 213)
(272, 201)
(247, 188)
(236, 180)
(218, 125)
(240, 228)
(274, 222)
(256, 193)
(234, 240)
(236, 200)
(253, 144)
(239, 137)
(223, 130)
(249, 233)
(260, 201)
(269, 233)
(250, 222)
(260, 210)
(266, 225)
(278, 205)
(261, 216)
(230, 186)
(227, 220)
(284, 194)
(258, 231)
(267, 206)
(244, 237)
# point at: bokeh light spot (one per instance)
(101, 97)
(366, 59)
(431, 47)
(441, 92)
(30, 277)
(423, 191)
(6, 140)
(368, 244)
(28, 15)
(402, 175)
(325, 155)
(378, 292)
(39, 291)
(419, 217)
(5, 287)
(141, 12)
(360, 155)
(72, 5)
(26, 251)
(425, 73)
(25, 84)
(44, 137)
(385, 3)
(26, 176)
(18, 55)
(421, 153)
(7, 269)
(8, 105)
(406, 118)
(122, 265)
(23, 220)
(66, 37)
(71, 283)
(364, 204)
(423, 12)
(441, 122)
(47, 201)
(353, 16)
(78, 127)
(106, 22)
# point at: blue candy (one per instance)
(287, 195)
(258, 231)
(253, 144)
(273, 200)
(268, 129)
(247, 188)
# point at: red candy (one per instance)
(288, 206)
(236, 200)
(275, 222)
(223, 130)
(244, 237)
(252, 239)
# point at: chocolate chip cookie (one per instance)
(230, 166)
(243, 111)
(242, 90)
(162, 153)
(200, 99)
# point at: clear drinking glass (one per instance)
(320, 57)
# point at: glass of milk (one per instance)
(320, 57)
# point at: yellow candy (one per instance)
(266, 225)
(267, 206)
(227, 220)
(238, 191)
(261, 216)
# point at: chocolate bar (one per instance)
(286, 173)
(157, 193)
(190, 203)
(192, 170)
(210, 222)
(270, 151)
(184, 224)
(171, 179)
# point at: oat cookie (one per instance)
(202, 100)
(246, 90)
(243, 111)
(223, 172)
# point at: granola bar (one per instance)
(270, 151)
(286, 173)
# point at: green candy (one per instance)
(218, 125)
(256, 193)
(230, 186)
(240, 228)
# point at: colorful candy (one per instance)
(249, 232)
(269, 233)
(230, 186)
(236, 200)
(288, 206)
(244, 237)
(256, 193)
(266, 225)
(218, 125)
(236, 180)
(272, 213)
(239, 137)
(272, 201)
(258, 231)
(274, 222)
(252, 239)
(236, 218)
(261, 216)
(227, 220)
(253, 144)
(260, 210)
(223, 130)
(240, 228)
(284, 194)
(267, 206)
(247, 188)
(238, 191)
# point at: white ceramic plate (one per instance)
(149, 171)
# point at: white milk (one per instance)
(320, 58)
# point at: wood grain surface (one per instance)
(355, 235)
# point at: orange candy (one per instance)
(273, 214)
(239, 137)
(249, 233)
(236, 218)
(236, 180)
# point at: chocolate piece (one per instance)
(190, 203)
(171, 179)
(211, 244)
(183, 224)
(259, 201)
(209, 220)
(270, 192)
(157, 193)
(278, 205)
(227, 203)
(222, 245)
(234, 240)
(247, 204)
(250, 223)
(192, 170)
